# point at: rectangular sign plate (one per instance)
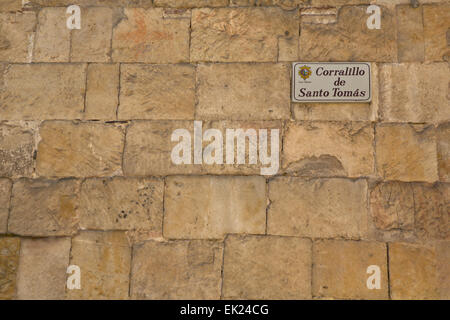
(331, 82)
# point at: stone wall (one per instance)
(85, 172)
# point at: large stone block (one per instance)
(413, 92)
(25, 94)
(190, 3)
(157, 92)
(349, 39)
(242, 34)
(16, 150)
(102, 95)
(243, 91)
(44, 208)
(5, 194)
(79, 149)
(146, 36)
(177, 270)
(104, 259)
(10, 5)
(122, 204)
(411, 44)
(436, 23)
(340, 269)
(52, 42)
(92, 43)
(211, 207)
(329, 149)
(406, 152)
(418, 271)
(9, 263)
(42, 268)
(267, 267)
(16, 36)
(318, 208)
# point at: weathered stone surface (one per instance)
(406, 152)
(443, 144)
(148, 149)
(122, 204)
(5, 193)
(319, 3)
(340, 269)
(52, 37)
(410, 33)
(392, 206)
(10, 5)
(157, 92)
(432, 211)
(241, 34)
(26, 95)
(285, 4)
(413, 92)
(102, 95)
(177, 270)
(436, 23)
(419, 272)
(16, 150)
(104, 259)
(319, 208)
(44, 207)
(145, 36)
(9, 262)
(79, 149)
(190, 3)
(42, 268)
(349, 39)
(87, 3)
(328, 148)
(243, 91)
(267, 267)
(16, 36)
(210, 207)
(92, 43)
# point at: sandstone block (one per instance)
(42, 269)
(432, 211)
(406, 153)
(319, 208)
(79, 149)
(177, 270)
(436, 23)
(267, 267)
(26, 96)
(285, 4)
(349, 39)
(16, 150)
(157, 92)
(243, 91)
(392, 206)
(17, 35)
(10, 5)
(9, 262)
(104, 259)
(92, 43)
(52, 37)
(241, 34)
(44, 208)
(122, 204)
(340, 269)
(328, 148)
(443, 141)
(410, 33)
(419, 272)
(412, 92)
(145, 36)
(5, 193)
(210, 207)
(102, 95)
(88, 3)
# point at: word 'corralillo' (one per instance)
(213, 152)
